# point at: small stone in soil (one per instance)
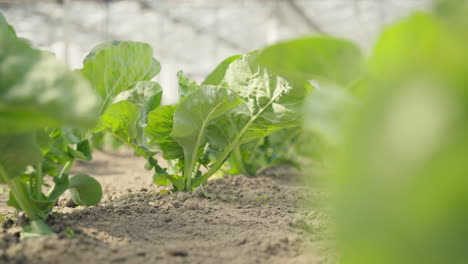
(182, 196)
(178, 253)
(70, 203)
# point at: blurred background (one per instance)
(195, 35)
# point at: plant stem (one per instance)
(187, 173)
(21, 196)
(67, 167)
(38, 187)
(137, 149)
(237, 162)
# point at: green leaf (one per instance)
(37, 91)
(58, 154)
(114, 66)
(85, 190)
(50, 168)
(216, 77)
(44, 140)
(72, 135)
(17, 152)
(279, 148)
(394, 60)
(327, 110)
(126, 117)
(161, 179)
(315, 58)
(81, 151)
(193, 116)
(120, 119)
(270, 97)
(186, 85)
(226, 128)
(145, 94)
(400, 182)
(12, 201)
(271, 104)
(158, 131)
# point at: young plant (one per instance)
(238, 103)
(38, 95)
(120, 71)
(328, 61)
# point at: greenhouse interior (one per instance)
(233, 131)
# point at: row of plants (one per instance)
(245, 116)
(51, 116)
(360, 115)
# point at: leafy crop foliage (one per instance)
(397, 127)
(244, 113)
(238, 103)
(402, 181)
(393, 126)
(44, 111)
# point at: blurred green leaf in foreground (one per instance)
(401, 189)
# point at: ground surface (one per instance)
(248, 220)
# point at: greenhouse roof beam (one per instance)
(307, 20)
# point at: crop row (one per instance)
(244, 116)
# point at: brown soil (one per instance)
(248, 220)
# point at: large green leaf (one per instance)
(145, 94)
(327, 111)
(401, 185)
(226, 128)
(268, 96)
(394, 60)
(217, 76)
(36, 90)
(159, 129)
(126, 117)
(114, 66)
(315, 58)
(16, 153)
(271, 104)
(121, 120)
(193, 116)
